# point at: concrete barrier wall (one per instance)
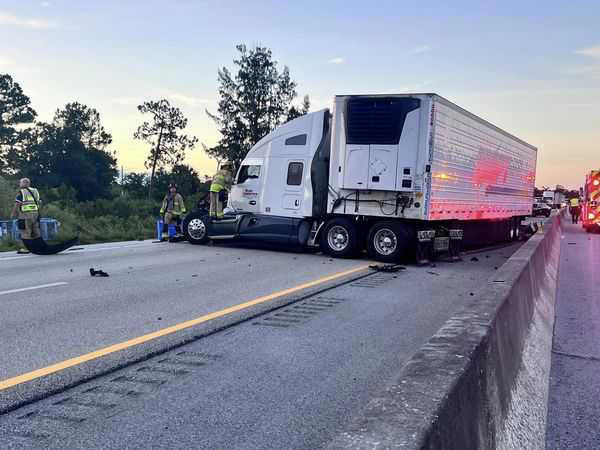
(482, 381)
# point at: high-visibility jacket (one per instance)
(30, 200)
(574, 202)
(173, 205)
(221, 180)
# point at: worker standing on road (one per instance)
(172, 209)
(575, 209)
(221, 183)
(27, 211)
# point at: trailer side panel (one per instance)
(477, 170)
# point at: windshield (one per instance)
(248, 172)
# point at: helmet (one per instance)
(172, 185)
(227, 165)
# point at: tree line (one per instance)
(75, 151)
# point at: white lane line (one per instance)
(89, 250)
(10, 258)
(81, 250)
(31, 288)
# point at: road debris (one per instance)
(98, 273)
(386, 267)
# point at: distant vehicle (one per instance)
(553, 198)
(590, 204)
(389, 173)
(541, 209)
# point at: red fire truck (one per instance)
(590, 206)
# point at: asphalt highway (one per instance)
(573, 412)
(290, 378)
(51, 308)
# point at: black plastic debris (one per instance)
(97, 273)
(386, 267)
(474, 259)
(40, 247)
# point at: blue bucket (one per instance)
(159, 229)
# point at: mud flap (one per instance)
(40, 247)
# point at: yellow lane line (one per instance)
(23, 378)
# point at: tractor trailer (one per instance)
(392, 174)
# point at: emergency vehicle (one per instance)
(590, 205)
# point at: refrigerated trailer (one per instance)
(392, 174)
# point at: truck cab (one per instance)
(288, 162)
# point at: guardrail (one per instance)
(482, 381)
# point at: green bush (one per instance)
(121, 218)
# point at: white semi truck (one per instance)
(392, 174)
(554, 198)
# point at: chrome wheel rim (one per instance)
(385, 242)
(196, 229)
(338, 238)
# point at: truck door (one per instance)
(245, 194)
(294, 189)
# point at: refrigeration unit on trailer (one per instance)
(389, 173)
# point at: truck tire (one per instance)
(516, 223)
(388, 241)
(339, 238)
(195, 228)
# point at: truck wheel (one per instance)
(339, 238)
(388, 241)
(516, 223)
(195, 228)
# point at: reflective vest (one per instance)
(221, 180)
(30, 199)
(574, 202)
(178, 205)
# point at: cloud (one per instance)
(175, 97)
(46, 4)
(38, 24)
(127, 101)
(420, 50)
(592, 52)
(6, 61)
(186, 99)
(337, 60)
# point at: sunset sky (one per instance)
(532, 68)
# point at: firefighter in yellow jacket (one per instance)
(221, 183)
(172, 208)
(27, 211)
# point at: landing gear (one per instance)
(339, 238)
(388, 241)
